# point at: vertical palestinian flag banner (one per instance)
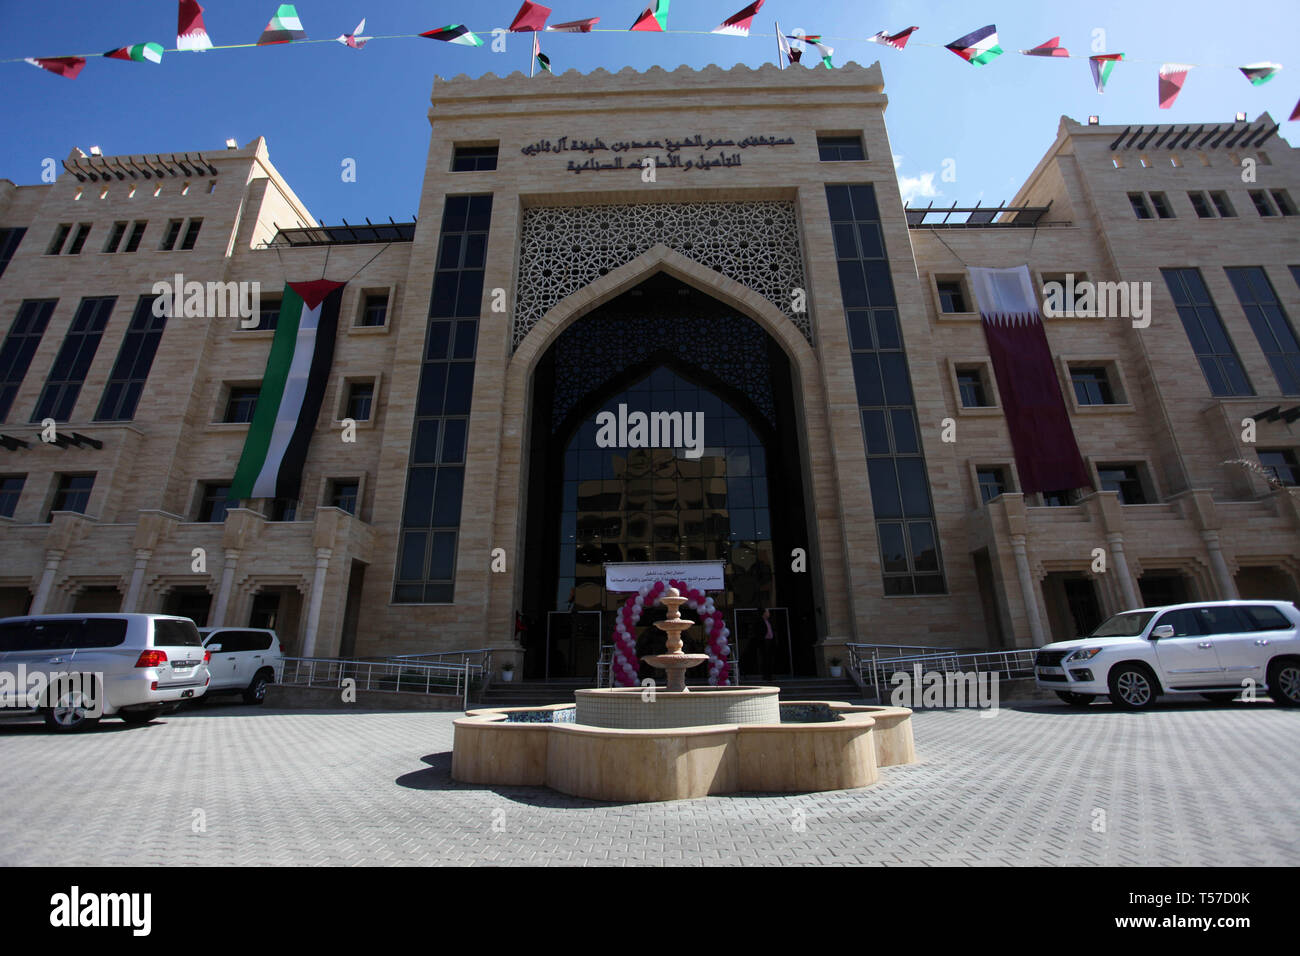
(293, 388)
(654, 18)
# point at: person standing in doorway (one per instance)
(767, 645)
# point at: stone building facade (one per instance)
(754, 272)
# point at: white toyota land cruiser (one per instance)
(1216, 649)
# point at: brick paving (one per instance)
(1183, 785)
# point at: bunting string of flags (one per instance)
(978, 48)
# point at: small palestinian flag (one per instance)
(896, 40)
(575, 26)
(191, 34)
(1172, 78)
(978, 48)
(792, 55)
(293, 388)
(822, 49)
(1102, 65)
(531, 16)
(542, 59)
(285, 27)
(1295, 113)
(653, 19)
(1260, 73)
(1051, 48)
(67, 66)
(140, 52)
(354, 39)
(454, 33)
(739, 24)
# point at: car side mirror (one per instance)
(1164, 630)
(213, 648)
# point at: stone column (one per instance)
(1222, 577)
(1027, 589)
(52, 560)
(132, 599)
(1116, 543)
(317, 598)
(227, 580)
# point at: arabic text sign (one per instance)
(705, 575)
(640, 159)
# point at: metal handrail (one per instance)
(418, 677)
(1008, 663)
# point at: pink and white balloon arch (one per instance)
(717, 634)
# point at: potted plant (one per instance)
(836, 670)
(508, 671)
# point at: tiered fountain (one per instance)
(643, 743)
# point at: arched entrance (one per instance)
(735, 495)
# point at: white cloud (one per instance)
(915, 187)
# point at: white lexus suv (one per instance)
(1216, 649)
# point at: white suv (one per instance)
(1212, 648)
(243, 660)
(73, 669)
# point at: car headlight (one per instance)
(1083, 654)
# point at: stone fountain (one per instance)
(641, 744)
(675, 662)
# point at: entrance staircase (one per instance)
(535, 693)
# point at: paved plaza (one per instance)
(1183, 785)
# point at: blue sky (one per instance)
(320, 103)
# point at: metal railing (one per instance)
(400, 676)
(875, 667)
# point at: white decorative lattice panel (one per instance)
(567, 247)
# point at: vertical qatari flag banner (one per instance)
(297, 372)
(1047, 456)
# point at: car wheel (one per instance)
(1132, 687)
(1223, 698)
(70, 712)
(1284, 682)
(136, 717)
(256, 692)
(1074, 700)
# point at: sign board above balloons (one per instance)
(633, 576)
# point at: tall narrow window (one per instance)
(19, 347)
(79, 239)
(68, 373)
(1201, 205)
(1139, 204)
(72, 493)
(137, 233)
(1162, 207)
(1270, 324)
(436, 474)
(11, 489)
(1262, 204)
(134, 360)
(169, 237)
(9, 239)
(374, 312)
(1222, 206)
(115, 237)
(1283, 199)
(58, 239)
(900, 488)
(215, 501)
(1204, 328)
(191, 234)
